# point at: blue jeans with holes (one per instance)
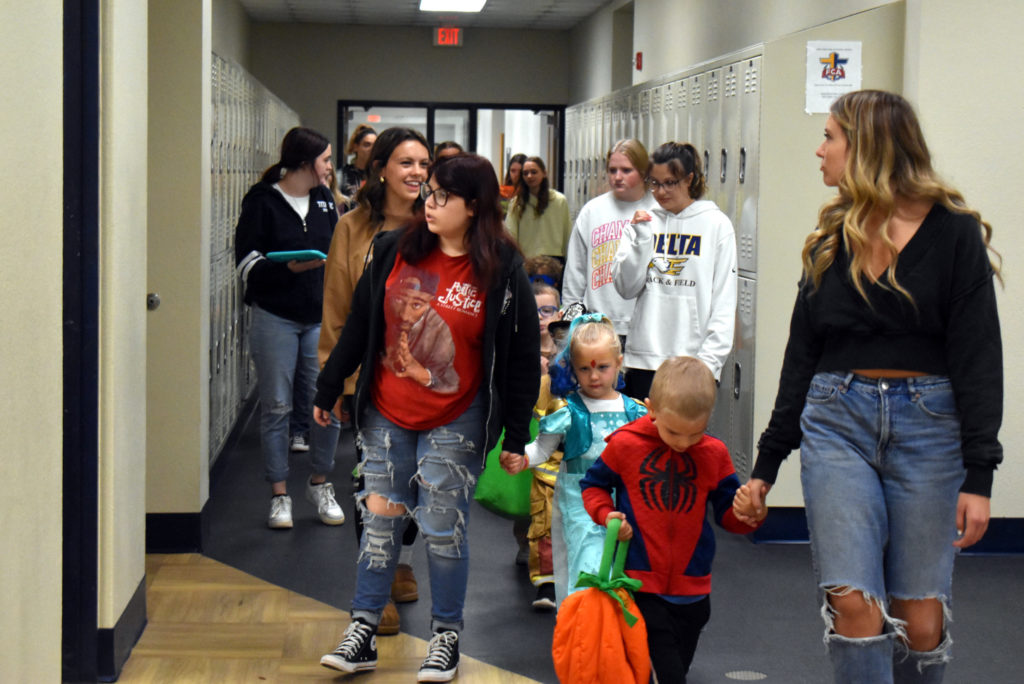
(284, 353)
(881, 469)
(432, 473)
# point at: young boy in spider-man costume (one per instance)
(663, 471)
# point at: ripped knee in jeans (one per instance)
(444, 530)
(383, 523)
(928, 642)
(852, 614)
(446, 487)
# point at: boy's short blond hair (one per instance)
(685, 386)
(542, 288)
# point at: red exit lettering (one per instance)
(448, 36)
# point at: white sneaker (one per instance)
(299, 443)
(280, 512)
(322, 495)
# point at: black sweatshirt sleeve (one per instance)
(522, 376)
(252, 241)
(974, 356)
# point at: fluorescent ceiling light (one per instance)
(452, 5)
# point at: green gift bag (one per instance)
(501, 493)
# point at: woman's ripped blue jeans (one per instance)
(881, 469)
(432, 473)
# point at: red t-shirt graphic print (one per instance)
(430, 368)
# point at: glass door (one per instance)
(493, 131)
(453, 125)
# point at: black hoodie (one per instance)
(269, 224)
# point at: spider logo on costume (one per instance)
(667, 487)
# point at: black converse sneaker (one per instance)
(357, 650)
(442, 658)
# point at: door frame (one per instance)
(80, 189)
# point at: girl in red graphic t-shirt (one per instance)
(444, 324)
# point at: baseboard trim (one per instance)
(184, 532)
(788, 525)
(1004, 536)
(784, 525)
(174, 533)
(113, 646)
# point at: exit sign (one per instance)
(448, 36)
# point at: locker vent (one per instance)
(712, 88)
(750, 77)
(731, 82)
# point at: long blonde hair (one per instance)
(886, 157)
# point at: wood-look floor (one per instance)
(208, 622)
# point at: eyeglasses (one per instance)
(440, 194)
(547, 311)
(667, 185)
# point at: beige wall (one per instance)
(674, 34)
(959, 74)
(178, 370)
(122, 369)
(31, 340)
(591, 55)
(230, 31)
(311, 67)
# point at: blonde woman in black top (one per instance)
(892, 388)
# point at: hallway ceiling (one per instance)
(551, 15)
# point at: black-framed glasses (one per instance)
(667, 185)
(547, 311)
(440, 194)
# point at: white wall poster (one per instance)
(833, 69)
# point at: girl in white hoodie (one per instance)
(679, 261)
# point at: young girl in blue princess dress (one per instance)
(588, 371)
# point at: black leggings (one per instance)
(672, 633)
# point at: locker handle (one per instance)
(707, 162)
(736, 382)
(743, 164)
(722, 174)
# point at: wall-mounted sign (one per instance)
(833, 69)
(448, 36)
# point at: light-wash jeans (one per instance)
(881, 469)
(286, 367)
(433, 474)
